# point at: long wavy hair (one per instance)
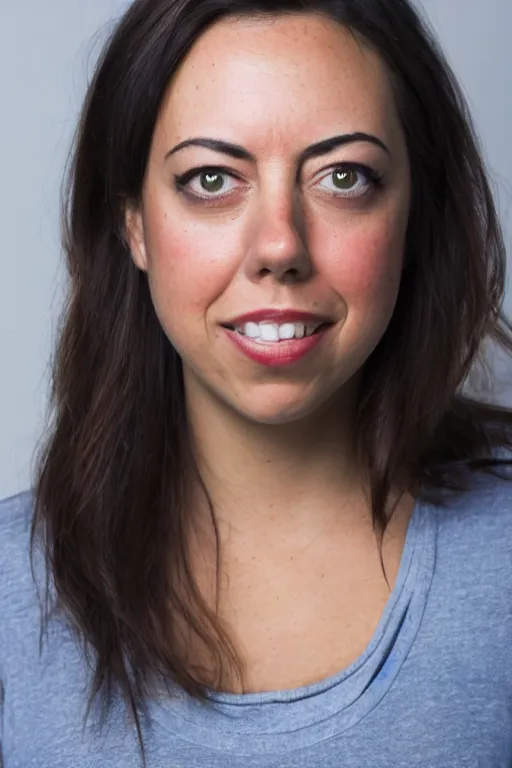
(114, 464)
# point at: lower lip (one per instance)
(278, 353)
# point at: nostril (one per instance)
(292, 276)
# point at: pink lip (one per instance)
(277, 316)
(274, 354)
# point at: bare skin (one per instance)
(302, 588)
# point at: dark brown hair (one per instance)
(111, 512)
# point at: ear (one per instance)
(134, 228)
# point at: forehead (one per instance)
(277, 79)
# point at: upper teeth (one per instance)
(275, 332)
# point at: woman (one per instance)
(269, 528)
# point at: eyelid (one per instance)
(358, 191)
(373, 177)
(347, 165)
(184, 178)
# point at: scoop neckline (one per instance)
(264, 722)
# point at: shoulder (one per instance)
(16, 514)
(474, 540)
(19, 602)
(483, 511)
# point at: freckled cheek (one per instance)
(189, 268)
(363, 266)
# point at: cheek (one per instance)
(188, 270)
(364, 266)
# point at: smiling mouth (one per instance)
(268, 332)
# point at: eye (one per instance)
(350, 181)
(206, 183)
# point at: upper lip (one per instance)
(278, 316)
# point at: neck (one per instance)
(289, 480)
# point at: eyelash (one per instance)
(373, 178)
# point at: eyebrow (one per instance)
(315, 150)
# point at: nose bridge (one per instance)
(278, 236)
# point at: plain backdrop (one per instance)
(47, 52)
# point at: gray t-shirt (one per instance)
(433, 689)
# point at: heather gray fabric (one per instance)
(432, 690)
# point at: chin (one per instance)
(273, 417)
(273, 411)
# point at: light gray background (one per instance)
(47, 51)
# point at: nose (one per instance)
(277, 248)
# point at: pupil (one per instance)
(212, 182)
(344, 179)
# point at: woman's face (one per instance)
(282, 213)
